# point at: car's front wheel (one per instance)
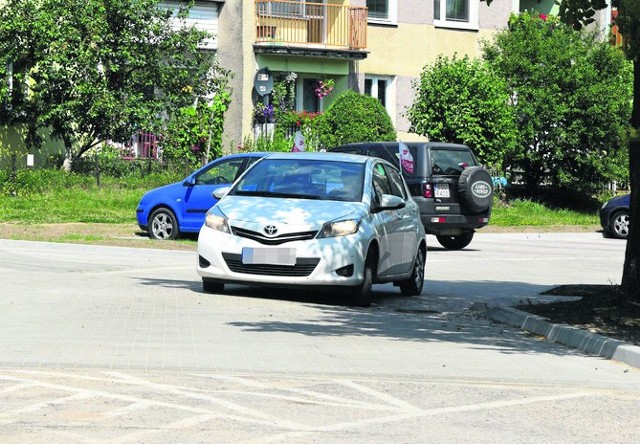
(413, 285)
(361, 294)
(163, 225)
(620, 225)
(456, 242)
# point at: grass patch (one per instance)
(80, 238)
(100, 205)
(521, 212)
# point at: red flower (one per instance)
(543, 17)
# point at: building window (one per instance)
(461, 14)
(382, 11)
(291, 8)
(203, 15)
(379, 87)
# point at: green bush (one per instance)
(354, 117)
(464, 101)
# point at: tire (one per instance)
(163, 225)
(361, 294)
(212, 286)
(413, 285)
(456, 242)
(475, 189)
(620, 225)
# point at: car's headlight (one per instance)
(216, 220)
(339, 228)
(604, 205)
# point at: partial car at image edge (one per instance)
(614, 217)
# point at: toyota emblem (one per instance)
(270, 230)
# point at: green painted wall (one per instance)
(322, 67)
(12, 143)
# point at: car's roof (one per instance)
(247, 154)
(330, 156)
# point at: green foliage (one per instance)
(284, 93)
(354, 117)
(194, 133)
(571, 128)
(273, 142)
(93, 70)
(464, 101)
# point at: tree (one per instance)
(194, 133)
(354, 117)
(571, 129)
(97, 70)
(581, 12)
(463, 101)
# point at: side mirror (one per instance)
(219, 193)
(391, 202)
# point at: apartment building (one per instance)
(377, 47)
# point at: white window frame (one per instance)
(472, 24)
(204, 15)
(390, 102)
(392, 17)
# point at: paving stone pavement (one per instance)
(102, 344)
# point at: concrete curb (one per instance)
(573, 337)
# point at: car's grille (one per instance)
(276, 240)
(303, 267)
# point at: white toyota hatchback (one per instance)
(315, 219)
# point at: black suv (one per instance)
(453, 191)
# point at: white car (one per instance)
(315, 219)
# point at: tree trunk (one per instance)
(69, 157)
(631, 271)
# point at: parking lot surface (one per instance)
(105, 344)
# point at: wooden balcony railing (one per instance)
(301, 23)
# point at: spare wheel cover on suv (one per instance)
(475, 189)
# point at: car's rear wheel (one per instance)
(620, 225)
(413, 285)
(456, 242)
(212, 286)
(361, 294)
(163, 225)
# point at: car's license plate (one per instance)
(270, 256)
(442, 190)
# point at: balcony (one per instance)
(304, 28)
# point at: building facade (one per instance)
(376, 47)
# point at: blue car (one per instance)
(180, 207)
(614, 217)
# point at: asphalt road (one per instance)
(105, 344)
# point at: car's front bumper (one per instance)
(142, 216)
(336, 261)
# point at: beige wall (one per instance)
(401, 51)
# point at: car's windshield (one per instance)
(303, 179)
